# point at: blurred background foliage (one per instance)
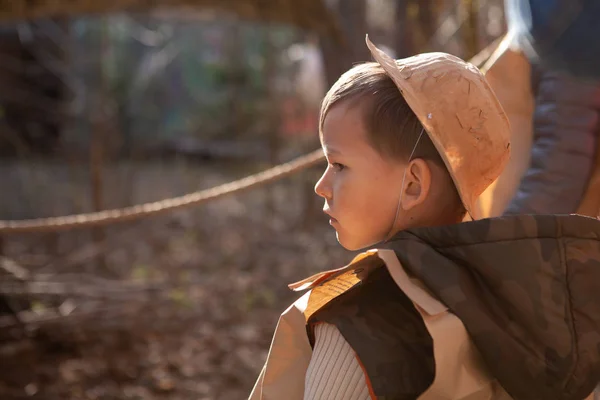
(105, 105)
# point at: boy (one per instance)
(410, 146)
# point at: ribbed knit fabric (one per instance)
(334, 372)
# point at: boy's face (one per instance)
(361, 188)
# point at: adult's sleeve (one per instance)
(562, 35)
(566, 127)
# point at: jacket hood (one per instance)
(527, 289)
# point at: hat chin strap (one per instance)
(410, 158)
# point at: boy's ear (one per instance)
(417, 183)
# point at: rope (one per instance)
(139, 211)
(483, 60)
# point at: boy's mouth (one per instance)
(331, 219)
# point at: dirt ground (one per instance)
(206, 288)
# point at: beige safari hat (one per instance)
(459, 112)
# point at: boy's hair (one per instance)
(393, 128)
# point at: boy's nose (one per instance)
(322, 188)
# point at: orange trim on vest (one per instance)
(367, 380)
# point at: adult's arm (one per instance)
(566, 125)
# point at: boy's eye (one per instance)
(338, 166)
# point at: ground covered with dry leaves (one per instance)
(180, 307)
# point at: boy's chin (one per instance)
(352, 244)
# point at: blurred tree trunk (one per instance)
(471, 28)
(31, 88)
(273, 114)
(234, 127)
(403, 35)
(99, 133)
(426, 21)
(32, 93)
(352, 19)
